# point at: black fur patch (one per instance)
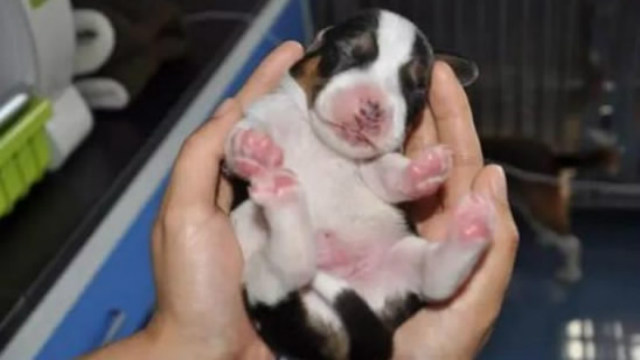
(415, 77)
(287, 329)
(369, 338)
(351, 44)
(240, 191)
(400, 310)
(348, 45)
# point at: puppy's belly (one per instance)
(349, 261)
(369, 267)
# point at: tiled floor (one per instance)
(597, 318)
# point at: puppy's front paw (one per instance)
(253, 152)
(424, 174)
(275, 187)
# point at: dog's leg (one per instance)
(547, 210)
(569, 247)
(287, 260)
(444, 266)
(395, 178)
(278, 274)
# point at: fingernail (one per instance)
(499, 183)
(224, 108)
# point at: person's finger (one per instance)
(455, 128)
(423, 135)
(490, 282)
(193, 181)
(270, 72)
(196, 171)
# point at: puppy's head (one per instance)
(366, 81)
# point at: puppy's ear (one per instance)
(318, 41)
(466, 70)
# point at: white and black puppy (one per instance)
(332, 267)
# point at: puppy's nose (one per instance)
(371, 111)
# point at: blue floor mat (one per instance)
(597, 318)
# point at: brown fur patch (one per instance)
(564, 181)
(547, 204)
(307, 76)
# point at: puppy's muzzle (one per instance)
(364, 110)
(371, 114)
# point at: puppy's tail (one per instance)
(369, 338)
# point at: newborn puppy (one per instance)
(331, 266)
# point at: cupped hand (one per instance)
(197, 260)
(458, 328)
(198, 263)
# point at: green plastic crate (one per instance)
(24, 154)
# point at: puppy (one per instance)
(332, 268)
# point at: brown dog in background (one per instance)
(540, 189)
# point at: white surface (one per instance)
(68, 127)
(92, 54)
(52, 309)
(17, 64)
(103, 93)
(52, 31)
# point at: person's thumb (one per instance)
(492, 278)
(492, 183)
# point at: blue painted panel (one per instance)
(125, 282)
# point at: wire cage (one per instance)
(561, 72)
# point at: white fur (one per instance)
(328, 286)
(337, 200)
(321, 309)
(378, 174)
(386, 176)
(395, 38)
(278, 247)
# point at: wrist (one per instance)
(156, 341)
(168, 340)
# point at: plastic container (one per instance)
(24, 154)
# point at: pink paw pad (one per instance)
(253, 152)
(473, 220)
(427, 172)
(274, 186)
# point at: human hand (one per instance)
(458, 328)
(197, 260)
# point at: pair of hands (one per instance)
(198, 263)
